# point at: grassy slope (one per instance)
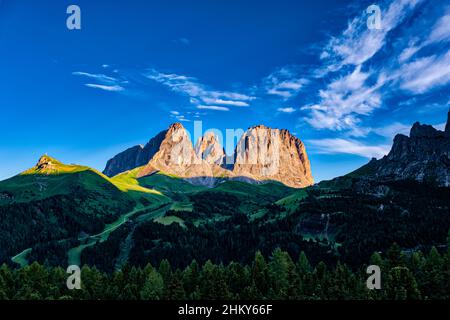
(37, 184)
(345, 182)
(270, 191)
(290, 202)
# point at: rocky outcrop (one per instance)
(423, 156)
(262, 154)
(272, 154)
(177, 156)
(134, 157)
(210, 150)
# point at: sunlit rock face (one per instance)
(262, 154)
(177, 156)
(272, 154)
(210, 150)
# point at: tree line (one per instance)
(404, 276)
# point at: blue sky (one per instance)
(313, 67)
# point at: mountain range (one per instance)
(173, 199)
(262, 154)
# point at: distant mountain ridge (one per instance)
(134, 157)
(423, 156)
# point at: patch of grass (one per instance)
(182, 206)
(291, 202)
(168, 220)
(21, 258)
(169, 184)
(269, 191)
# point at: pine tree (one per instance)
(260, 274)
(190, 278)
(153, 288)
(283, 274)
(395, 257)
(433, 275)
(165, 270)
(212, 284)
(175, 290)
(401, 285)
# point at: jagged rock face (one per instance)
(209, 149)
(272, 154)
(423, 156)
(134, 157)
(262, 154)
(176, 156)
(46, 164)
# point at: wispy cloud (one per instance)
(389, 131)
(179, 116)
(343, 101)
(441, 30)
(357, 43)
(217, 108)
(99, 77)
(183, 41)
(286, 110)
(353, 82)
(105, 83)
(113, 88)
(198, 93)
(284, 82)
(226, 102)
(343, 146)
(425, 73)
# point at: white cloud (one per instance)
(217, 108)
(441, 30)
(286, 110)
(391, 130)
(175, 113)
(408, 53)
(226, 102)
(284, 82)
(99, 77)
(425, 73)
(198, 92)
(343, 101)
(343, 146)
(114, 88)
(357, 43)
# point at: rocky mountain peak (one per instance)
(262, 154)
(272, 154)
(46, 162)
(423, 156)
(209, 149)
(134, 157)
(176, 126)
(424, 131)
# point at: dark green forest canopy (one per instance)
(404, 277)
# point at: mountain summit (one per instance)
(272, 154)
(262, 154)
(423, 156)
(134, 157)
